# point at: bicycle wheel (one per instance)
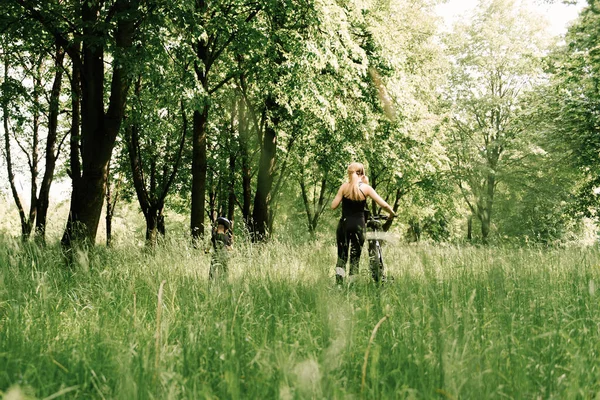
(376, 261)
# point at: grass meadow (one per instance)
(132, 323)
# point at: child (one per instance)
(222, 242)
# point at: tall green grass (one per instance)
(462, 323)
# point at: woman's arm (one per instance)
(338, 197)
(381, 202)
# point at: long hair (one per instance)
(355, 173)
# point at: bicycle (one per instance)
(375, 225)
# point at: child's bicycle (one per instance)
(375, 225)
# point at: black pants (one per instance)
(350, 237)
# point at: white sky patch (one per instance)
(558, 14)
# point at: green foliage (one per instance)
(545, 195)
(342, 81)
(495, 61)
(573, 110)
(535, 207)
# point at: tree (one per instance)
(31, 117)
(156, 127)
(89, 32)
(320, 156)
(401, 143)
(53, 145)
(572, 107)
(279, 82)
(154, 169)
(205, 31)
(495, 59)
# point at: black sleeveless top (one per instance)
(353, 208)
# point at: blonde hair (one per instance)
(355, 173)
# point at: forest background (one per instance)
(149, 119)
(252, 110)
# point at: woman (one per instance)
(351, 228)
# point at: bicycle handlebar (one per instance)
(378, 217)
(376, 222)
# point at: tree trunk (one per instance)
(246, 192)
(86, 203)
(485, 227)
(260, 214)
(8, 156)
(111, 201)
(109, 214)
(486, 215)
(313, 211)
(244, 145)
(199, 166)
(470, 228)
(33, 167)
(155, 225)
(151, 229)
(199, 150)
(75, 139)
(281, 178)
(307, 207)
(51, 152)
(220, 196)
(232, 162)
(388, 223)
(321, 203)
(212, 200)
(161, 224)
(11, 175)
(144, 198)
(414, 229)
(373, 184)
(231, 194)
